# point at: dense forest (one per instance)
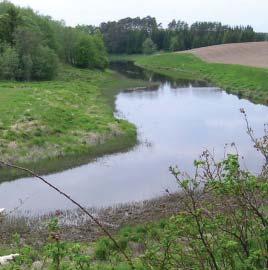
(31, 45)
(137, 35)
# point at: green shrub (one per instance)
(45, 64)
(90, 52)
(103, 249)
(9, 64)
(148, 46)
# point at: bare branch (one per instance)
(97, 222)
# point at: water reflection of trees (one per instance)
(205, 92)
(129, 69)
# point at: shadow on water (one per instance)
(130, 70)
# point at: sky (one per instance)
(232, 12)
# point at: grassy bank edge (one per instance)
(246, 82)
(108, 89)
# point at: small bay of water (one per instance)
(175, 123)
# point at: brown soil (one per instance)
(253, 54)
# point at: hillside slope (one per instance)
(253, 54)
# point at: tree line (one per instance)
(32, 45)
(138, 35)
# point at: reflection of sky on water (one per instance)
(174, 126)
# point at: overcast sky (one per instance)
(233, 12)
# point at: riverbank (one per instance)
(247, 82)
(77, 227)
(54, 125)
(141, 230)
(128, 223)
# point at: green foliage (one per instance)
(223, 225)
(175, 44)
(44, 64)
(101, 56)
(9, 21)
(148, 46)
(9, 64)
(103, 249)
(90, 53)
(128, 35)
(56, 255)
(83, 56)
(35, 43)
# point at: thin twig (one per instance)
(98, 223)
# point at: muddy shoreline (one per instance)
(75, 226)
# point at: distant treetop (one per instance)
(128, 35)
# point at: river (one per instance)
(175, 122)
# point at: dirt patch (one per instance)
(25, 126)
(253, 54)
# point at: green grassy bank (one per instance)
(247, 82)
(53, 125)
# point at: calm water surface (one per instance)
(175, 123)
